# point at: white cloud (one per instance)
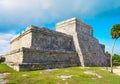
(7, 4)
(25, 11)
(5, 42)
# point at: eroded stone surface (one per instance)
(72, 44)
(90, 51)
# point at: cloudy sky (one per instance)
(16, 15)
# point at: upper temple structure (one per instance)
(72, 44)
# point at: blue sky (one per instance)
(16, 15)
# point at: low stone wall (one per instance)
(43, 56)
(38, 66)
(32, 59)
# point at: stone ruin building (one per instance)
(72, 44)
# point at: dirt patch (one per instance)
(92, 73)
(117, 70)
(48, 71)
(2, 76)
(24, 75)
(63, 77)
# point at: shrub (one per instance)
(116, 60)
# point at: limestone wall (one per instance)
(83, 28)
(72, 25)
(42, 38)
(90, 52)
(41, 56)
(32, 59)
(93, 53)
(15, 56)
(27, 55)
(51, 40)
(67, 27)
(22, 40)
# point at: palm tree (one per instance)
(115, 33)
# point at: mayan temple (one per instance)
(72, 44)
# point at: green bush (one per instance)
(107, 54)
(116, 60)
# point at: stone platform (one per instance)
(25, 59)
(38, 66)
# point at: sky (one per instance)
(16, 15)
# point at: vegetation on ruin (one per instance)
(76, 75)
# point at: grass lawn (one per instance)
(4, 68)
(76, 75)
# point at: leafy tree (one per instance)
(116, 60)
(107, 54)
(115, 33)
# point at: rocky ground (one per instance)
(2, 76)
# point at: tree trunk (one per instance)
(111, 62)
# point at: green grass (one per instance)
(51, 77)
(4, 68)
